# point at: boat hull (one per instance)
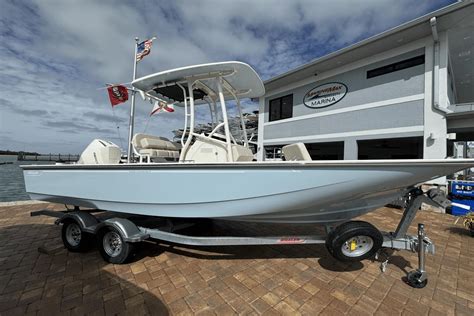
(269, 192)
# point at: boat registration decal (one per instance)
(291, 240)
(325, 95)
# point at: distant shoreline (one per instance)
(15, 153)
(27, 153)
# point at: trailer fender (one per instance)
(87, 221)
(130, 232)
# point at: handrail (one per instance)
(223, 137)
(214, 106)
(210, 110)
(227, 86)
(185, 148)
(230, 158)
(185, 113)
(216, 128)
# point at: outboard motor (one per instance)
(100, 152)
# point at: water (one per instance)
(12, 184)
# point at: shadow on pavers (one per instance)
(317, 252)
(329, 263)
(37, 274)
(154, 248)
(462, 231)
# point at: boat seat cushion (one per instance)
(144, 141)
(159, 153)
(296, 151)
(154, 143)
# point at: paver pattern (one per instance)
(38, 276)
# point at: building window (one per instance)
(281, 108)
(326, 151)
(394, 148)
(404, 64)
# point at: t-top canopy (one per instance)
(243, 80)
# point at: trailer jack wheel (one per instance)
(74, 239)
(417, 279)
(113, 247)
(354, 241)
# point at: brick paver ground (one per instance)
(38, 276)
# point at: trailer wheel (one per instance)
(354, 241)
(113, 247)
(74, 239)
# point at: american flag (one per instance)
(144, 48)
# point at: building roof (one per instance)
(392, 38)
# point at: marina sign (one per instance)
(325, 95)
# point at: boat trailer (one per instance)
(116, 234)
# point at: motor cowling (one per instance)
(100, 152)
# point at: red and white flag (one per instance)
(161, 106)
(117, 94)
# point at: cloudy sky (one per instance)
(54, 55)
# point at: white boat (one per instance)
(213, 176)
(291, 192)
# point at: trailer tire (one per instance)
(74, 238)
(112, 245)
(354, 241)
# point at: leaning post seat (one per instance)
(150, 146)
(296, 151)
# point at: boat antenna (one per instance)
(118, 128)
(132, 106)
(146, 125)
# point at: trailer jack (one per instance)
(421, 244)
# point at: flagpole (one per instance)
(132, 106)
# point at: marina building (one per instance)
(405, 93)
